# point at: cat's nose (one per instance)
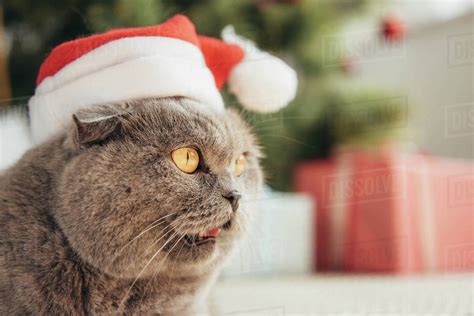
(233, 197)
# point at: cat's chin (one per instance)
(197, 260)
(185, 253)
(186, 259)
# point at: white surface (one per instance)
(279, 240)
(347, 295)
(14, 136)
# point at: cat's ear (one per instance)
(97, 125)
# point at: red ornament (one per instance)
(393, 28)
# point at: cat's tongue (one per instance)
(214, 232)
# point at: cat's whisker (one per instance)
(160, 265)
(168, 229)
(265, 128)
(157, 270)
(245, 224)
(149, 227)
(260, 199)
(144, 268)
(179, 252)
(277, 119)
(291, 139)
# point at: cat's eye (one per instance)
(240, 165)
(186, 159)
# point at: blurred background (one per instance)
(370, 170)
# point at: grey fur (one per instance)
(72, 208)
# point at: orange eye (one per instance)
(240, 165)
(186, 159)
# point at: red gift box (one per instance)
(390, 211)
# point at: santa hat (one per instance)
(165, 60)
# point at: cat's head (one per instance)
(157, 185)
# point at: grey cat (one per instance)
(131, 211)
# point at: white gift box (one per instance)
(279, 239)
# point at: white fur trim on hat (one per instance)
(125, 69)
(261, 82)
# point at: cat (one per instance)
(101, 220)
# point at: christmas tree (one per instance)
(324, 113)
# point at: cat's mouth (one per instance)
(205, 237)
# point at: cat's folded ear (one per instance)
(97, 125)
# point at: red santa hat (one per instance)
(165, 60)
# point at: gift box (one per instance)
(391, 211)
(277, 237)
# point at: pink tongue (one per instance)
(212, 232)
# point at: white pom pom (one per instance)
(261, 82)
(263, 85)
